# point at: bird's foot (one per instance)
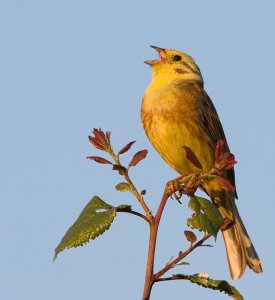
(184, 185)
(193, 184)
(190, 183)
(174, 189)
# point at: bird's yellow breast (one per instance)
(171, 118)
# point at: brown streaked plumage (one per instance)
(176, 112)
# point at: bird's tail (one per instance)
(239, 248)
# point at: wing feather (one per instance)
(213, 126)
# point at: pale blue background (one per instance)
(69, 66)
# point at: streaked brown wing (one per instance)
(213, 126)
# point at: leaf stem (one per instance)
(134, 213)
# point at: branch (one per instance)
(180, 257)
(165, 196)
(149, 276)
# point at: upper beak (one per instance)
(158, 49)
(161, 53)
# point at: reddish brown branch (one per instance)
(154, 224)
(180, 257)
(150, 277)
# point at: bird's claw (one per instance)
(184, 185)
(174, 189)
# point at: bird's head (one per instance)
(175, 64)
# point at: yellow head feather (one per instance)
(175, 65)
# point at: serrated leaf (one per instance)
(207, 282)
(140, 155)
(126, 148)
(206, 218)
(190, 236)
(192, 157)
(99, 160)
(96, 217)
(123, 187)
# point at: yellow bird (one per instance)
(176, 111)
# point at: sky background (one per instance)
(69, 66)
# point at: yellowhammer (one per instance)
(177, 112)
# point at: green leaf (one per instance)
(94, 220)
(123, 187)
(205, 281)
(206, 218)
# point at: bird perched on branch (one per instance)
(177, 112)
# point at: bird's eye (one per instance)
(177, 57)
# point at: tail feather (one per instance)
(239, 248)
(235, 253)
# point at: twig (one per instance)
(180, 257)
(134, 190)
(139, 197)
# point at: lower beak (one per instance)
(161, 53)
(151, 62)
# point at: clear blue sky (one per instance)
(69, 66)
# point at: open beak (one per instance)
(162, 56)
(158, 49)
